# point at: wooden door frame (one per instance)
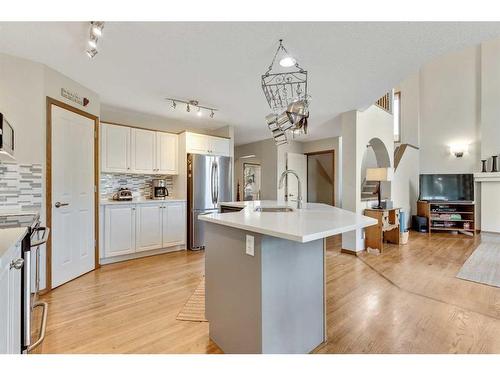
(48, 183)
(332, 151)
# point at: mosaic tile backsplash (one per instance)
(21, 186)
(111, 182)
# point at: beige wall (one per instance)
(266, 155)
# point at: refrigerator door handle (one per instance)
(216, 183)
(212, 182)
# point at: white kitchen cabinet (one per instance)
(115, 148)
(148, 227)
(174, 224)
(119, 230)
(166, 153)
(143, 151)
(207, 144)
(219, 146)
(10, 302)
(138, 151)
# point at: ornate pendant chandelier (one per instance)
(286, 94)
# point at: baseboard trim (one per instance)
(142, 254)
(350, 252)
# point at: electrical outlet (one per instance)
(250, 245)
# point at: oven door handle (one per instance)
(46, 233)
(43, 325)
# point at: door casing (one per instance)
(48, 183)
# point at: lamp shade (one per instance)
(379, 174)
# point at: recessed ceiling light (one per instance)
(287, 61)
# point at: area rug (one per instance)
(194, 308)
(483, 266)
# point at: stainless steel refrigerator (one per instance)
(209, 182)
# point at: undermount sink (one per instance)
(273, 209)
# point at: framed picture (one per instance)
(251, 181)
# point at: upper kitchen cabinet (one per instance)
(206, 144)
(143, 155)
(166, 153)
(139, 151)
(115, 150)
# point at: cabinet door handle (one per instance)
(17, 264)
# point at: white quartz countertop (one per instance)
(314, 221)
(9, 237)
(141, 201)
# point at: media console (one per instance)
(449, 216)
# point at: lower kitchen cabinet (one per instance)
(174, 224)
(119, 230)
(134, 228)
(10, 302)
(148, 227)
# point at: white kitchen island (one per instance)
(265, 275)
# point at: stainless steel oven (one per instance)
(30, 282)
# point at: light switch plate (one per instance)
(250, 245)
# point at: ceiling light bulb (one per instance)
(199, 112)
(287, 61)
(91, 53)
(93, 43)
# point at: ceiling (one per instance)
(139, 64)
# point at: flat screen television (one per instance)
(447, 187)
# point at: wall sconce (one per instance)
(458, 149)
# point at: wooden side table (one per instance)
(386, 229)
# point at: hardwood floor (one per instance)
(407, 300)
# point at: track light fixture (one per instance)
(193, 103)
(95, 32)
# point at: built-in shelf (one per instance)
(453, 229)
(467, 209)
(434, 219)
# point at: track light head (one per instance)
(174, 104)
(93, 43)
(188, 108)
(212, 113)
(91, 53)
(96, 28)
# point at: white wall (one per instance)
(404, 186)
(410, 109)
(358, 128)
(490, 99)
(24, 86)
(450, 112)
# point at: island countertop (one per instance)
(314, 221)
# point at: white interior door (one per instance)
(73, 238)
(298, 163)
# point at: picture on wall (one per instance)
(251, 181)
